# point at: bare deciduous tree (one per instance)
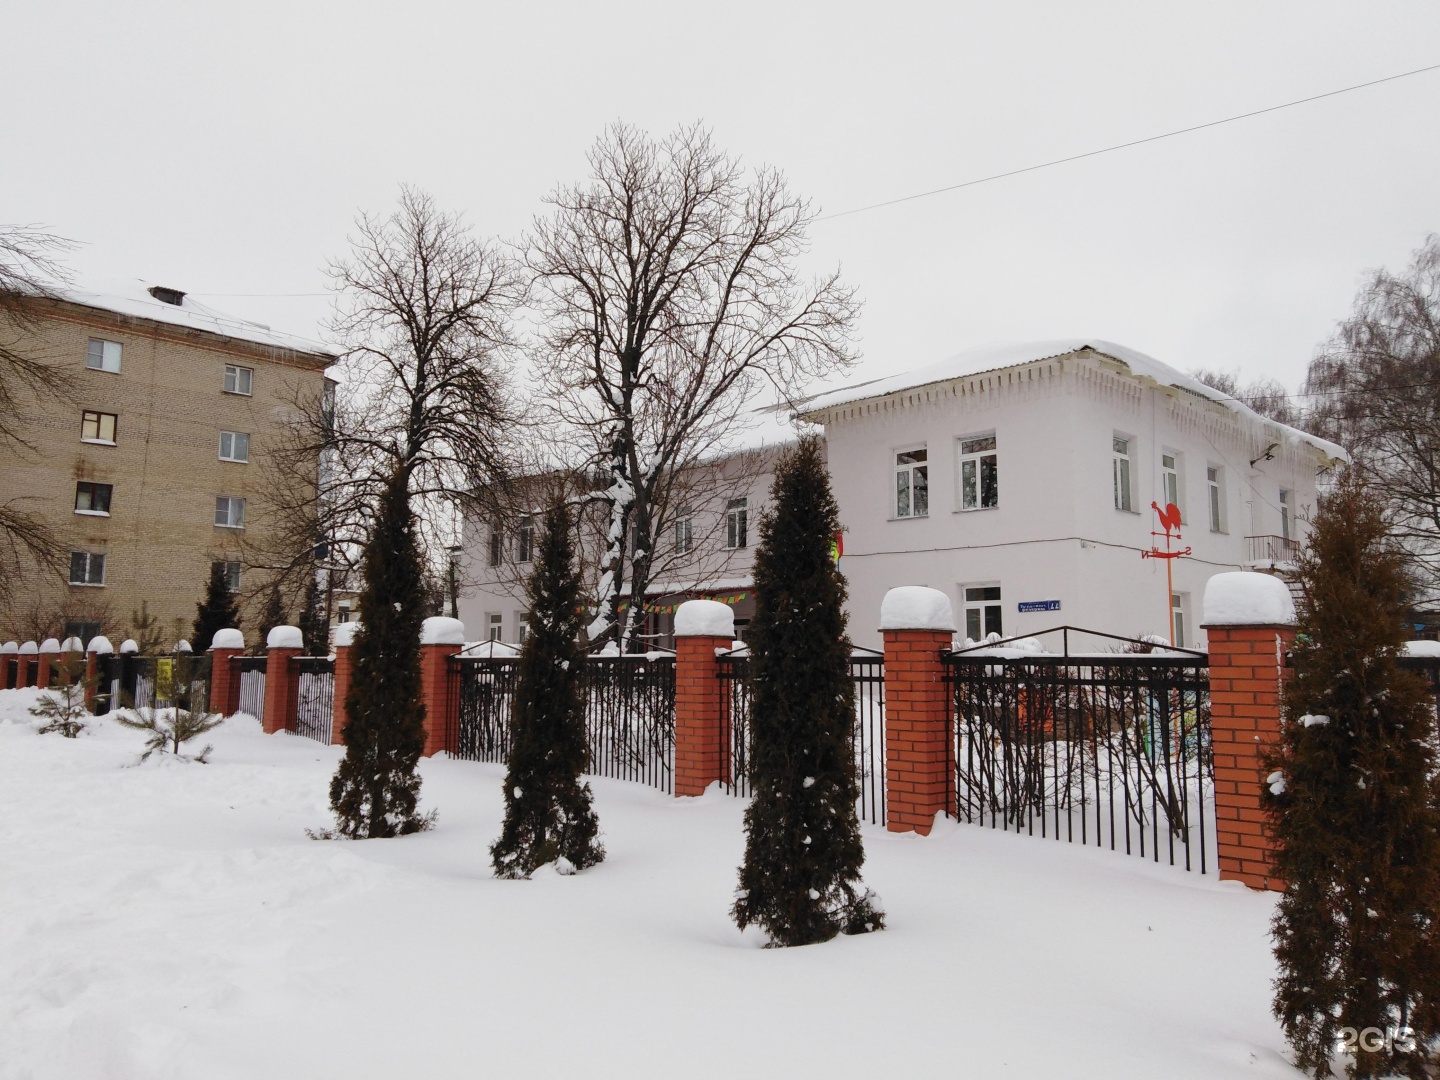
(1374, 387)
(422, 313)
(670, 294)
(28, 270)
(1267, 397)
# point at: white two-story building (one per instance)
(1020, 480)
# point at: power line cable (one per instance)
(1127, 145)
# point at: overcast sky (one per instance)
(224, 150)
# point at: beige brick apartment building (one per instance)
(159, 465)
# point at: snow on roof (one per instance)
(766, 428)
(987, 358)
(133, 298)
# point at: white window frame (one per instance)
(522, 627)
(233, 373)
(109, 355)
(905, 473)
(99, 416)
(684, 531)
(1122, 471)
(1172, 480)
(496, 550)
(525, 540)
(232, 520)
(980, 607)
(92, 560)
(235, 438)
(1287, 523)
(737, 523)
(972, 487)
(232, 576)
(494, 626)
(1215, 492)
(1178, 620)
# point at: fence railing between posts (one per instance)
(129, 680)
(629, 713)
(250, 670)
(315, 698)
(867, 672)
(1110, 748)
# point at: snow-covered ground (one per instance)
(171, 920)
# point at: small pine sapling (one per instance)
(801, 878)
(172, 727)
(1355, 810)
(63, 707)
(146, 631)
(548, 813)
(271, 616)
(376, 790)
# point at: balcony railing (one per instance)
(1271, 549)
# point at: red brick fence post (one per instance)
(224, 679)
(440, 639)
(1250, 619)
(702, 628)
(918, 625)
(7, 654)
(344, 638)
(28, 662)
(282, 678)
(99, 646)
(49, 650)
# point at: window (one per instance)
(234, 446)
(982, 611)
(342, 613)
(526, 544)
(684, 534)
(522, 626)
(92, 498)
(229, 512)
(87, 568)
(737, 513)
(231, 570)
(1177, 619)
(1217, 498)
(238, 380)
(495, 622)
(979, 474)
(912, 484)
(1284, 514)
(83, 629)
(97, 427)
(497, 546)
(103, 355)
(1120, 463)
(1170, 478)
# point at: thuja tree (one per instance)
(271, 615)
(376, 790)
(548, 813)
(1353, 801)
(311, 621)
(217, 611)
(801, 876)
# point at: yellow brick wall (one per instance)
(160, 537)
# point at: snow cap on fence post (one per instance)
(285, 637)
(440, 639)
(29, 648)
(1245, 598)
(916, 607)
(10, 647)
(705, 618)
(129, 645)
(442, 630)
(72, 645)
(228, 638)
(100, 646)
(49, 646)
(345, 634)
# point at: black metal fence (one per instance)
(131, 681)
(629, 714)
(867, 670)
(315, 699)
(251, 672)
(1109, 748)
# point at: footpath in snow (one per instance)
(172, 920)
